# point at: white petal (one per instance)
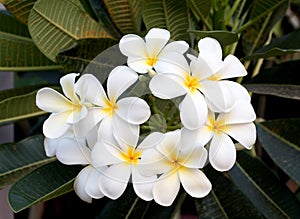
(143, 185)
(232, 68)
(222, 152)
(166, 188)
(153, 162)
(50, 146)
(93, 117)
(243, 133)
(219, 96)
(241, 112)
(80, 185)
(76, 115)
(174, 63)
(194, 182)
(139, 64)
(133, 110)
(200, 68)
(210, 50)
(151, 140)
(50, 100)
(190, 139)
(193, 111)
(92, 185)
(156, 39)
(119, 80)
(237, 91)
(167, 86)
(55, 126)
(195, 157)
(133, 45)
(92, 89)
(114, 180)
(67, 84)
(70, 152)
(100, 156)
(169, 146)
(175, 46)
(125, 133)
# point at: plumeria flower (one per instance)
(72, 152)
(178, 163)
(221, 128)
(65, 110)
(201, 82)
(123, 160)
(117, 115)
(143, 55)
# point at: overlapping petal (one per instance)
(80, 185)
(232, 68)
(67, 84)
(237, 131)
(92, 187)
(143, 185)
(55, 126)
(156, 39)
(130, 41)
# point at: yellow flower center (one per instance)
(192, 83)
(131, 156)
(110, 107)
(215, 77)
(217, 126)
(151, 61)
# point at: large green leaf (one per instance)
(224, 37)
(169, 14)
(81, 53)
(18, 159)
(282, 80)
(42, 184)
(126, 15)
(20, 9)
(201, 10)
(225, 199)
(55, 25)
(16, 105)
(263, 188)
(18, 52)
(286, 44)
(284, 153)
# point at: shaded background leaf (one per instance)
(18, 159)
(44, 183)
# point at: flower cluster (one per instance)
(99, 127)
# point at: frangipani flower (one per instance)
(237, 124)
(123, 160)
(119, 115)
(143, 55)
(72, 152)
(66, 111)
(179, 164)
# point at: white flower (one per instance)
(65, 110)
(237, 124)
(71, 152)
(179, 162)
(198, 80)
(143, 55)
(117, 115)
(123, 159)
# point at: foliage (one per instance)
(67, 35)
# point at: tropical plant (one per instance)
(66, 36)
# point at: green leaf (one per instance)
(18, 91)
(18, 52)
(263, 188)
(169, 14)
(224, 37)
(20, 9)
(263, 17)
(76, 57)
(131, 19)
(55, 25)
(225, 199)
(201, 10)
(18, 159)
(16, 105)
(284, 45)
(284, 153)
(44, 183)
(281, 80)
